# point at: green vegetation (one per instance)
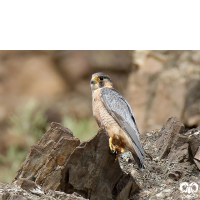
(29, 122)
(26, 127)
(83, 129)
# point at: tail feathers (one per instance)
(139, 162)
(138, 157)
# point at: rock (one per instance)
(197, 158)
(13, 192)
(59, 162)
(92, 172)
(60, 167)
(170, 136)
(26, 184)
(194, 139)
(172, 163)
(46, 159)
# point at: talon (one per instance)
(119, 150)
(113, 152)
(115, 149)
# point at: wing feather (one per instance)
(121, 111)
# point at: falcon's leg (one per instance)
(115, 149)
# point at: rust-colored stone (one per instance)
(45, 160)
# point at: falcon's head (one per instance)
(100, 80)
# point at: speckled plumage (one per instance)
(113, 112)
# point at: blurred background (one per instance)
(40, 87)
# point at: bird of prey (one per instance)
(113, 112)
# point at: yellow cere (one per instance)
(95, 79)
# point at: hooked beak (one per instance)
(93, 80)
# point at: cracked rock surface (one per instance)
(60, 167)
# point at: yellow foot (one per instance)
(115, 148)
(112, 147)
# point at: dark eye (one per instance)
(101, 78)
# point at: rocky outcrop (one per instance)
(60, 162)
(28, 192)
(60, 167)
(174, 152)
(45, 160)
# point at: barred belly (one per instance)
(104, 119)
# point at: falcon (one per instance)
(112, 112)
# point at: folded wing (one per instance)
(121, 111)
